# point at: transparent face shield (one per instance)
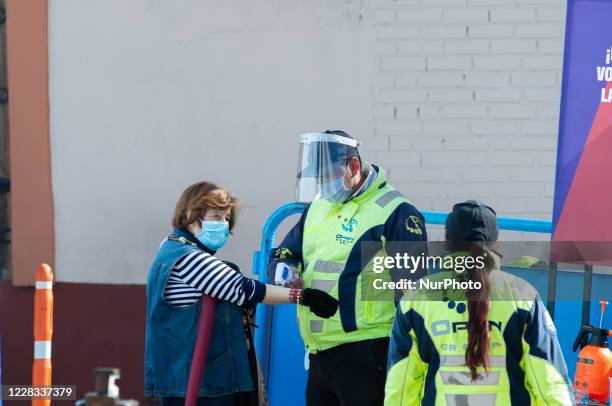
(323, 159)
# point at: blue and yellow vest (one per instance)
(429, 337)
(333, 240)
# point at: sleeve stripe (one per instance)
(185, 295)
(213, 267)
(218, 281)
(195, 265)
(253, 292)
(222, 289)
(185, 260)
(179, 289)
(201, 273)
(207, 278)
(227, 285)
(194, 277)
(235, 290)
(182, 302)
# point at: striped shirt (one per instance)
(200, 273)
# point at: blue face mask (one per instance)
(335, 191)
(214, 234)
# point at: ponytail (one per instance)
(477, 350)
(472, 227)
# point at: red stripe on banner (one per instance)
(586, 213)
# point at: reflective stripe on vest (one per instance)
(471, 400)
(465, 378)
(328, 267)
(322, 284)
(316, 326)
(459, 361)
(387, 198)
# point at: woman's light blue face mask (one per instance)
(214, 234)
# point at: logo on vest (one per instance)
(348, 226)
(445, 327)
(413, 225)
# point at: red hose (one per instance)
(198, 362)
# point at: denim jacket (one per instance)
(171, 334)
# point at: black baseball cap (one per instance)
(472, 220)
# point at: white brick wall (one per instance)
(456, 98)
(469, 103)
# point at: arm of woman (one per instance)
(211, 276)
(276, 294)
(320, 303)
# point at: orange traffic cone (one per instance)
(43, 330)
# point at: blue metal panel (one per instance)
(265, 314)
(505, 223)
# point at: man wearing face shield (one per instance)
(354, 215)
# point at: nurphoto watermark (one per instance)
(435, 270)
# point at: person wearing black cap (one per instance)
(483, 338)
(354, 215)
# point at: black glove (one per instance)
(319, 302)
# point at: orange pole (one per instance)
(43, 330)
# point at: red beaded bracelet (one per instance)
(295, 296)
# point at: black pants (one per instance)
(348, 375)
